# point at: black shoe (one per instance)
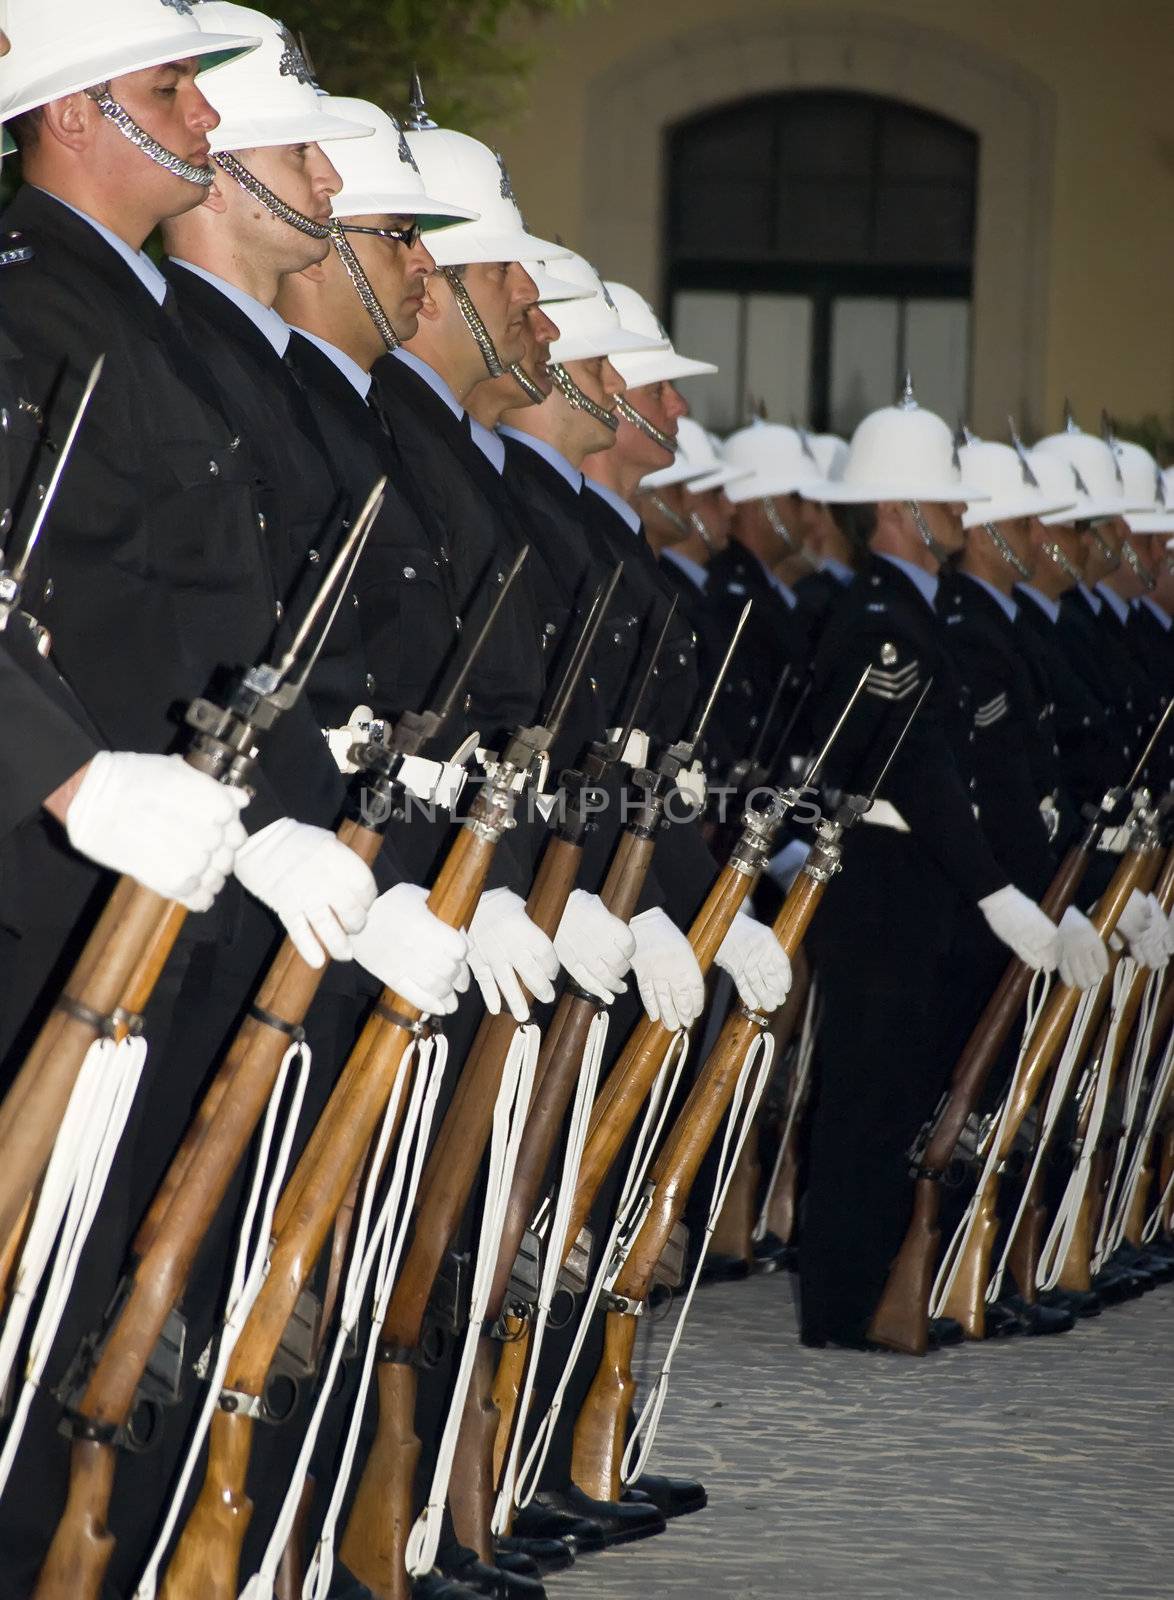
(542, 1520)
(943, 1331)
(519, 1562)
(672, 1497)
(1159, 1267)
(724, 1269)
(1117, 1283)
(547, 1555)
(1081, 1302)
(1001, 1322)
(493, 1582)
(772, 1255)
(621, 1524)
(433, 1586)
(1037, 1320)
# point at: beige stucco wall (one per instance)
(1073, 100)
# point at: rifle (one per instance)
(111, 1371)
(901, 1319)
(206, 1559)
(601, 1427)
(125, 954)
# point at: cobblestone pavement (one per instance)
(1027, 1468)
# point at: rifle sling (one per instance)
(270, 1019)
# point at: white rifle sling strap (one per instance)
(248, 1274)
(1064, 1224)
(72, 1189)
(752, 1082)
(553, 1251)
(630, 1212)
(509, 1122)
(956, 1250)
(373, 1245)
(1114, 1213)
(804, 1056)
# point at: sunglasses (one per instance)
(408, 236)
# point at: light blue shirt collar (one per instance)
(693, 570)
(1163, 617)
(612, 499)
(1004, 601)
(925, 582)
(1049, 607)
(263, 317)
(777, 584)
(488, 443)
(432, 378)
(549, 454)
(1094, 600)
(138, 261)
(347, 365)
(1114, 602)
(841, 572)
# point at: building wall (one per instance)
(1074, 104)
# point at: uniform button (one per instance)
(548, 628)
(235, 443)
(409, 572)
(457, 624)
(4, 418)
(500, 578)
(213, 469)
(279, 610)
(6, 520)
(617, 638)
(49, 589)
(261, 523)
(682, 659)
(369, 680)
(631, 622)
(313, 557)
(355, 601)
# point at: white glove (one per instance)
(670, 981)
(413, 952)
(1144, 927)
(1083, 959)
(1022, 927)
(174, 829)
(757, 962)
(595, 947)
(321, 890)
(506, 950)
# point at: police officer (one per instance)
(885, 942)
(822, 535)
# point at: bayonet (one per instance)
(900, 740)
(637, 699)
(816, 765)
(12, 575)
(711, 701)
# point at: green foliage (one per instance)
(472, 55)
(1154, 432)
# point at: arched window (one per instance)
(817, 245)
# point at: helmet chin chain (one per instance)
(697, 523)
(630, 414)
(1005, 550)
(1133, 561)
(494, 365)
(273, 203)
(938, 551)
(673, 518)
(575, 397)
(526, 383)
(779, 527)
(363, 289)
(1104, 547)
(202, 177)
(1059, 559)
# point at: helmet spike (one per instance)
(805, 440)
(963, 435)
(1070, 423)
(907, 400)
(1108, 434)
(418, 119)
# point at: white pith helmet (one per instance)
(769, 459)
(553, 290)
(1100, 487)
(63, 46)
(659, 365)
(900, 452)
(698, 463)
(452, 163)
(267, 97)
(830, 453)
(1144, 478)
(1057, 480)
(1006, 476)
(591, 327)
(379, 175)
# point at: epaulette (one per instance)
(13, 253)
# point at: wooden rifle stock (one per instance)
(600, 1429)
(165, 1248)
(206, 1561)
(1139, 1208)
(901, 1318)
(481, 1445)
(375, 1539)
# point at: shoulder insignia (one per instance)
(993, 711)
(735, 588)
(896, 685)
(876, 605)
(955, 616)
(16, 255)
(888, 655)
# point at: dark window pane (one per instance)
(928, 224)
(824, 220)
(827, 135)
(913, 145)
(717, 221)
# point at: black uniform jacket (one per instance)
(1098, 652)
(816, 593)
(885, 625)
(1153, 649)
(1015, 765)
